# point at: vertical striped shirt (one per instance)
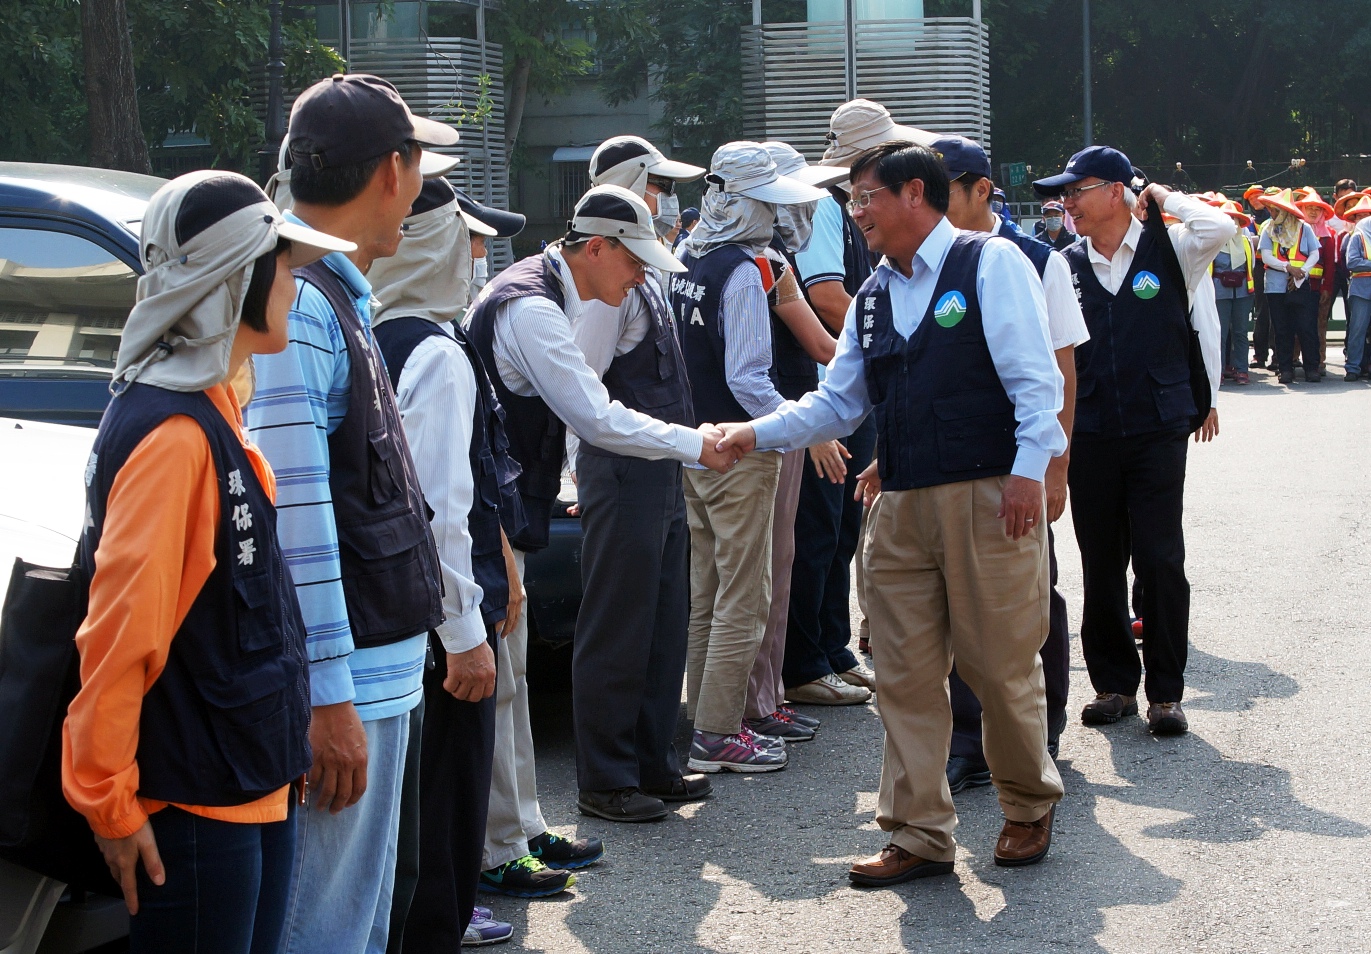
(301, 398)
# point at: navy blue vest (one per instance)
(1133, 375)
(941, 413)
(227, 721)
(494, 474)
(1037, 250)
(696, 299)
(793, 371)
(391, 580)
(537, 437)
(651, 378)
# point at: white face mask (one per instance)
(1053, 222)
(668, 209)
(480, 271)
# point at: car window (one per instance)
(63, 300)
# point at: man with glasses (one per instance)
(719, 302)
(946, 346)
(522, 328)
(1134, 413)
(629, 653)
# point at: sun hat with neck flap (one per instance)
(201, 234)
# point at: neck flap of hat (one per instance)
(429, 276)
(201, 234)
(729, 218)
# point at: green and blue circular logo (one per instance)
(950, 310)
(1146, 285)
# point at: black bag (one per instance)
(39, 676)
(1200, 389)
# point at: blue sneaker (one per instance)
(482, 931)
(563, 853)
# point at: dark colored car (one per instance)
(69, 268)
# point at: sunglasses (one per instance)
(668, 186)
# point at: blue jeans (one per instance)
(1233, 315)
(1358, 321)
(345, 865)
(225, 888)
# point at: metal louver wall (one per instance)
(932, 73)
(437, 78)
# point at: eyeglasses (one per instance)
(863, 198)
(638, 264)
(1073, 194)
(667, 186)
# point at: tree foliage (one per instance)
(540, 55)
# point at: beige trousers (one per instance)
(730, 518)
(943, 580)
(765, 689)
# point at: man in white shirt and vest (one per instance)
(946, 345)
(1135, 410)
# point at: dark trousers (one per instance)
(1261, 326)
(628, 659)
(1126, 501)
(407, 843)
(1295, 314)
(225, 890)
(828, 523)
(1056, 657)
(454, 790)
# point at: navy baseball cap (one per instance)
(505, 224)
(1097, 162)
(350, 118)
(962, 156)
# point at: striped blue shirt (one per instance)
(301, 397)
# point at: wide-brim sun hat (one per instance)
(1310, 199)
(858, 125)
(791, 164)
(1357, 210)
(1234, 211)
(1341, 204)
(614, 212)
(1284, 200)
(746, 168)
(1252, 193)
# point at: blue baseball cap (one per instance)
(961, 156)
(1097, 162)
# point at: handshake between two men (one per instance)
(1021, 501)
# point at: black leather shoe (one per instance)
(621, 805)
(1107, 708)
(963, 773)
(683, 788)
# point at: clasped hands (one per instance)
(720, 451)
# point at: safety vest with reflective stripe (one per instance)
(1296, 258)
(1247, 254)
(1365, 253)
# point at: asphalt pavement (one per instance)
(1248, 835)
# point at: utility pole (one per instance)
(1085, 69)
(276, 71)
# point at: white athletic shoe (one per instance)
(828, 691)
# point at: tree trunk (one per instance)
(116, 134)
(517, 94)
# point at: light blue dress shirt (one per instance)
(1014, 316)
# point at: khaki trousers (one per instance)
(730, 518)
(765, 689)
(943, 580)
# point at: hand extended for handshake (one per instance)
(716, 453)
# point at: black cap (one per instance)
(436, 192)
(1096, 162)
(355, 117)
(505, 224)
(962, 155)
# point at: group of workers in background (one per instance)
(304, 662)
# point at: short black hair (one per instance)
(898, 161)
(1350, 184)
(259, 287)
(339, 185)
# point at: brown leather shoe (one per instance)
(1107, 708)
(1024, 843)
(1167, 718)
(894, 865)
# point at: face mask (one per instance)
(996, 206)
(480, 271)
(795, 223)
(668, 208)
(1053, 222)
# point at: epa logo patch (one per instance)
(1146, 285)
(951, 309)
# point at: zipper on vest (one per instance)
(1114, 366)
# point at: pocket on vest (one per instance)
(1171, 391)
(975, 431)
(382, 478)
(390, 550)
(258, 624)
(249, 714)
(656, 395)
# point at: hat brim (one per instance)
(430, 132)
(652, 252)
(1356, 211)
(1317, 204)
(308, 245)
(1271, 202)
(434, 164)
(820, 177)
(680, 171)
(506, 224)
(476, 226)
(1052, 186)
(1242, 218)
(784, 190)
